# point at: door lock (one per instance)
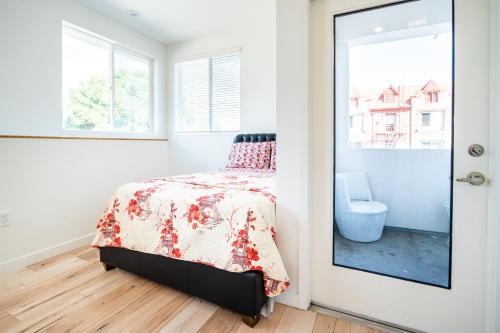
(475, 150)
(474, 178)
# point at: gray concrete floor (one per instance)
(401, 253)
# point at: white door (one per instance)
(410, 96)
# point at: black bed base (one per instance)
(240, 292)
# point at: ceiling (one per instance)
(424, 17)
(170, 21)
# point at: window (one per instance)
(431, 97)
(208, 94)
(106, 87)
(390, 122)
(426, 119)
(389, 97)
(432, 144)
(433, 120)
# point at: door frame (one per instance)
(493, 246)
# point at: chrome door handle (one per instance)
(474, 178)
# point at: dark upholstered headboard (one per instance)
(262, 137)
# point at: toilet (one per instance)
(358, 217)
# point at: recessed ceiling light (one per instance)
(378, 30)
(418, 22)
(133, 13)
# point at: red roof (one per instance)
(431, 86)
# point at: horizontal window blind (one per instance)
(208, 94)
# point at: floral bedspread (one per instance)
(224, 219)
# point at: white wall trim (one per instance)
(288, 298)
(304, 287)
(33, 257)
(293, 121)
(492, 316)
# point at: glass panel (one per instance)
(86, 92)
(393, 136)
(132, 93)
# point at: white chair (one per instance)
(358, 217)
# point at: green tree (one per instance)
(88, 106)
(132, 99)
(89, 109)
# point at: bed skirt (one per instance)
(241, 292)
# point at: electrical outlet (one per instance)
(4, 218)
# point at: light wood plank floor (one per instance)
(72, 293)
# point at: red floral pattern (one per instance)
(169, 237)
(109, 227)
(255, 155)
(224, 219)
(138, 206)
(273, 155)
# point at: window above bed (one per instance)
(106, 87)
(207, 94)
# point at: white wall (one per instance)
(56, 189)
(208, 151)
(292, 174)
(412, 183)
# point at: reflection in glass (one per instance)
(393, 138)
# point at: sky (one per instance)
(410, 61)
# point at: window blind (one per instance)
(208, 94)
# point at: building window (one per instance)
(431, 97)
(390, 122)
(106, 87)
(389, 97)
(208, 94)
(433, 120)
(426, 119)
(432, 144)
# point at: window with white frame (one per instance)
(432, 144)
(207, 94)
(106, 87)
(433, 120)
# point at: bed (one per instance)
(209, 234)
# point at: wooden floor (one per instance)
(72, 293)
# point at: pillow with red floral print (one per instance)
(273, 155)
(255, 155)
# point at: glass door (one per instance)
(400, 160)
(393, 135)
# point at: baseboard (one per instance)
(288, 298)
(31, 258)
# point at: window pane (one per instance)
(393, 204)
(226, 93)
(132, 93)
(86, 92)
(192, 95)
